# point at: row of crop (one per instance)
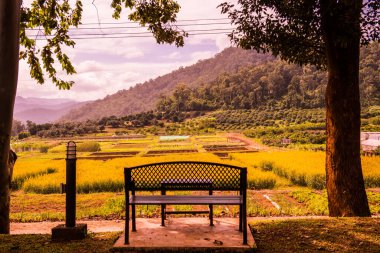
(305, 168)
(107, 176)
(41, 147)
(18, 180)
(95, 176)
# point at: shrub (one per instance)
(23, 135)
(266, 165)
(44, 149)
(261, 183)
(88, 147)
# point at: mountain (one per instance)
(273, 84)
(233, 79)
(42, 110)
(144, 96)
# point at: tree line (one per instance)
(275, 83)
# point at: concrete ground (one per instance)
(186, 235)
(97, 226)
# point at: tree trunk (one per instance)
(345, 184)
(9, 56)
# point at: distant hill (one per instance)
(42, 110)
(233, 79)
(144, 96)
(273, 84)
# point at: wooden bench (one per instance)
(186, 176)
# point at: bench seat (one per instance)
(186, 200)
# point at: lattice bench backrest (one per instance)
(149, 177)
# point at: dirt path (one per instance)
(97, 226)
(251, 144)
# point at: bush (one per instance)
(266, 165)
(88, 147)
(23, 135)
(261, 183)
(44, 149)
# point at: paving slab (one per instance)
(186, 235)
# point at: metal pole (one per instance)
(70, 191)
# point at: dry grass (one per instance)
(99, 242)
(318, 235)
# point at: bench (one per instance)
(186, 176)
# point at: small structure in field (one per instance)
(286, 141)
(174, 138)
(370, 142)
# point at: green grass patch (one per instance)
(315, 202)
(89, 146)
(374, 202)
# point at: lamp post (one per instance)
(71, 168)
(70, 230)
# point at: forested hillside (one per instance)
(144, 97)
(233, 79)
(274, 83)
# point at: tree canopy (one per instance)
(54, 19)
(293, 29)
(328, 35)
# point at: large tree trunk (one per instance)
(345, 184)
(9, 52)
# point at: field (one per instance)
(305, 168)
(281, 182)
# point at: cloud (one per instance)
(105, 66)
(174, 55)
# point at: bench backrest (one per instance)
(190, 175)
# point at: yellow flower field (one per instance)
(305, 168)
(43, 172)
(93, 176)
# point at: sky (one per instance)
(105, 66)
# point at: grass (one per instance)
(305, 168)
(97, 176)
(38, 176)
(318, 235)
(108, 205)
(19, 179)
(99, 242)
(41, 207)
(316, 203)
(258, 179)
(289, 206)
(296, 235)
(89, 146)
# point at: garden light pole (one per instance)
(70, 230)
(71, 168)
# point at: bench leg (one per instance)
(163, 208)
(163, 215)
(244, 218)
(134, 218)
(211, 215)
(126, 238)
(240, 218)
